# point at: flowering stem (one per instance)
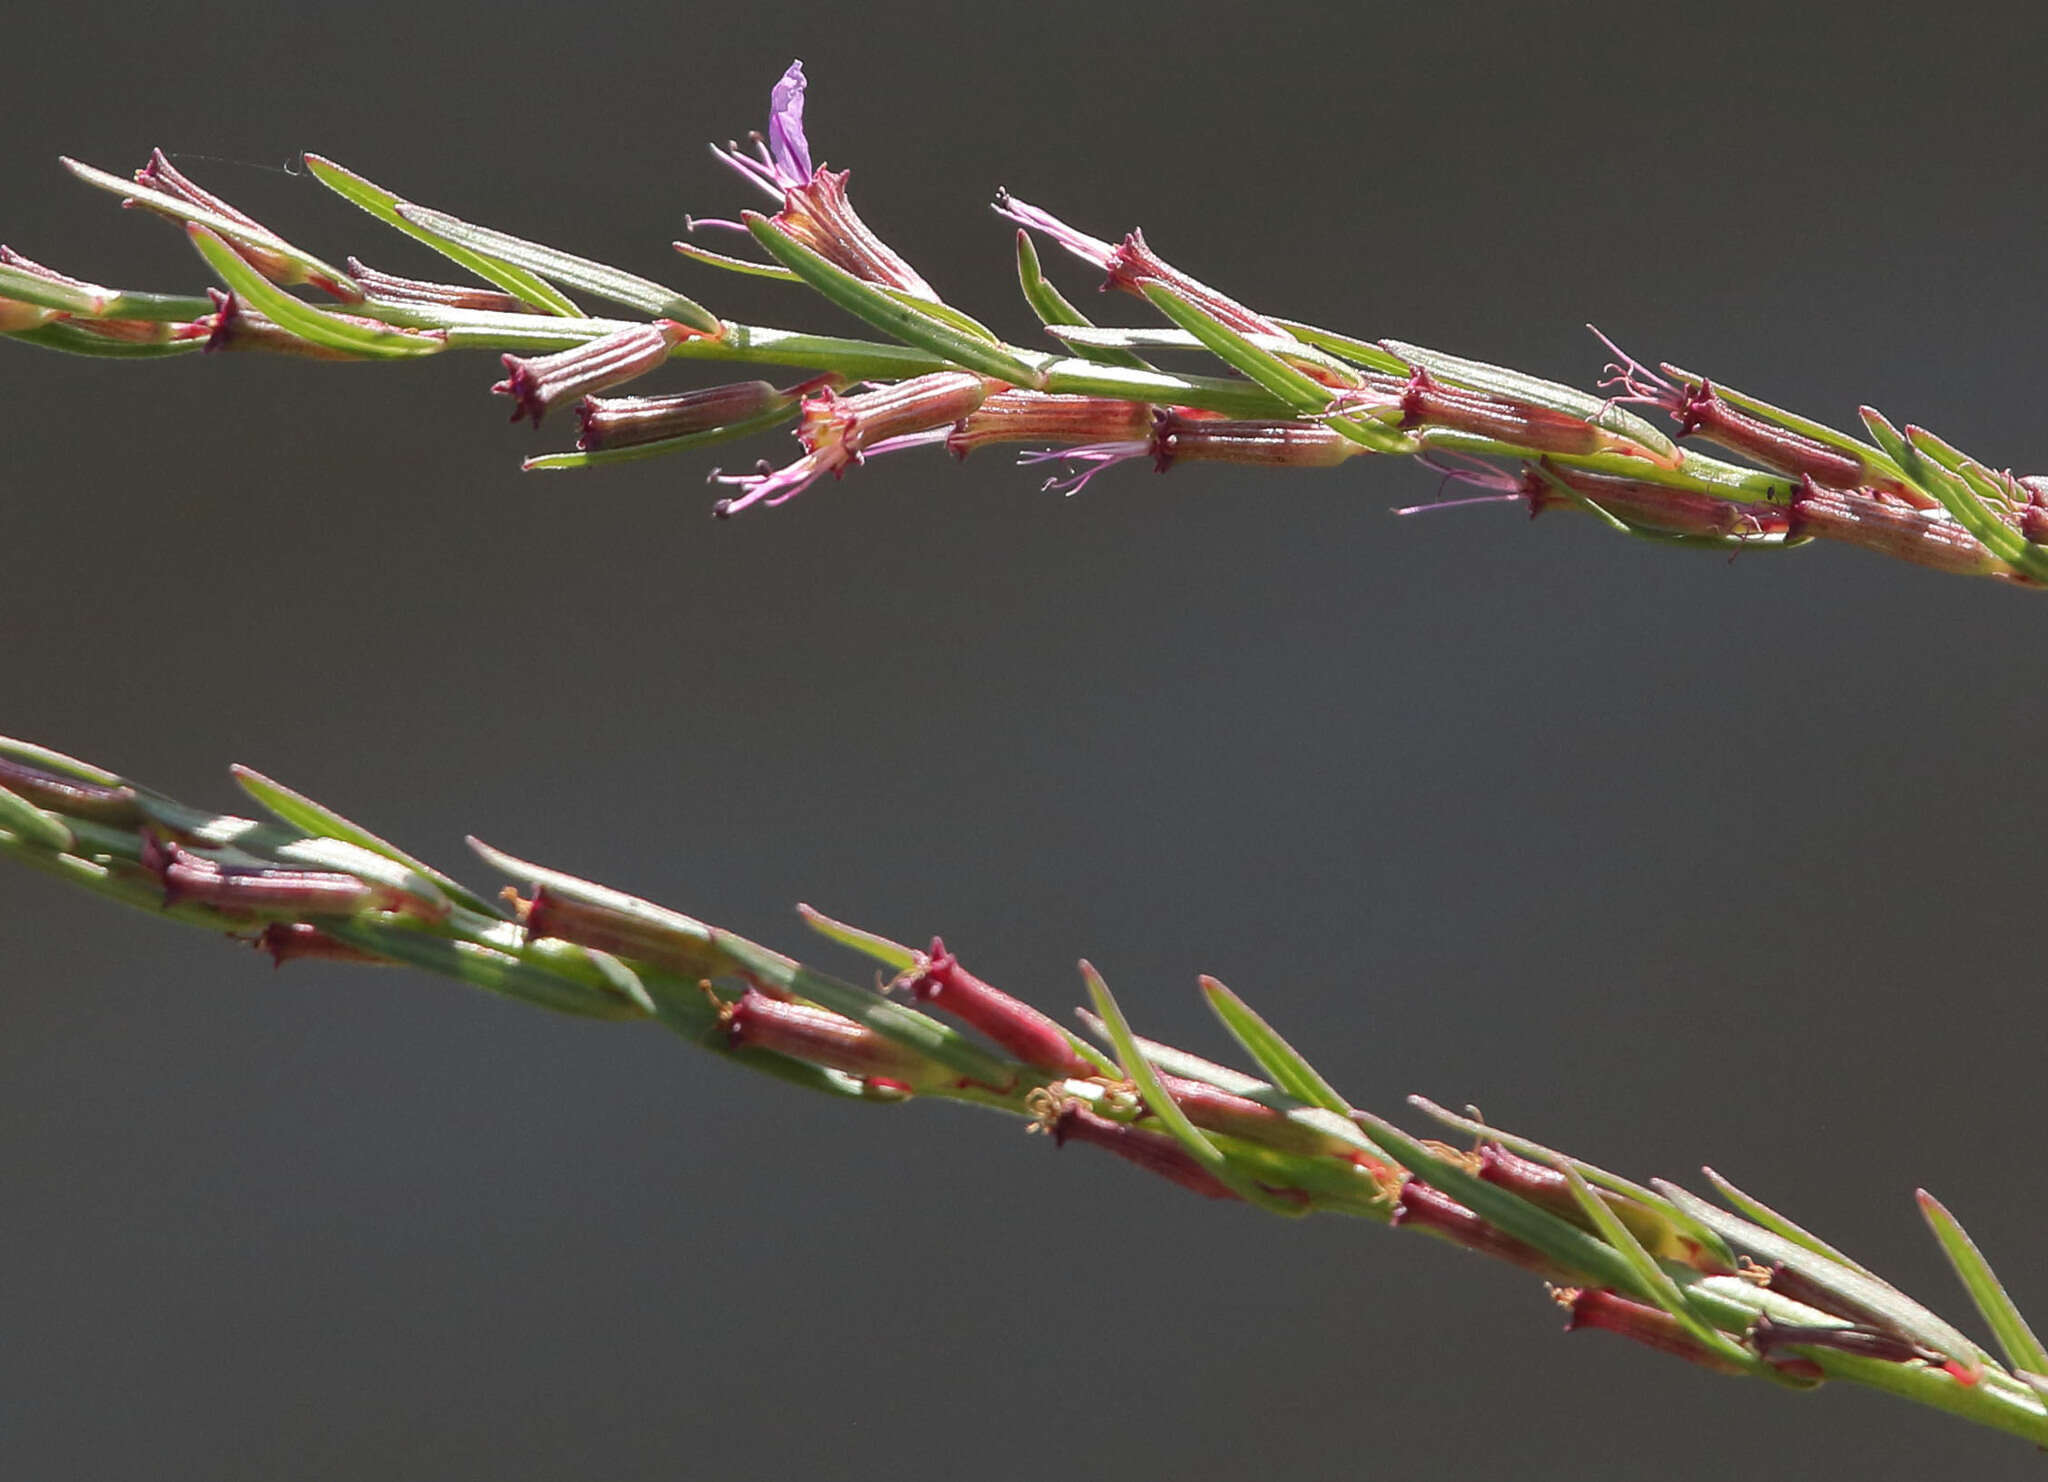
(1511, 436)
(1745, 1296)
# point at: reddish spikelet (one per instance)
(1217, 1110)
(1768, 1337)
(1653, 507)
(72, 797)
(818, 214)
(389, 288)
(234, 326)
(1698, 407)
(1150, 1151)
(633, 421)
(1427, 402)
(538, 384)
(1019, 1028)
(1650, 1326)
(192, 878)
(1437, 1213)
(552, 915)
(161, 176)
(1178, 436)
(1015, 416)
(1930, 538)
(821, 1037)
(289, 941)
(1547, 1188)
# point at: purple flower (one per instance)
(781, 161)
(814, 208)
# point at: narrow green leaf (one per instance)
(26, 821)
(2022, 1349)
(1280, 1060)
(490, 968)
(889, 313)
(225, 226)
(57, 761)
(383, 205)
(612, 283)
(33, 288)
(731, 432)
(622, 979)
(1088, 338)
(740, 265)
(1302, 393)
(301, 812)
(93, 302)
(1850, 1282)
(1771, 1220)
(1052, 308)
(1358, 352)
(1161, 1104)
(892, 955)
(1654, 1279)
(1558, 1238)
(302, 318)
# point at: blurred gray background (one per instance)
(1659, 857)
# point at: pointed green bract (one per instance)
(1302, 393)
(887, 312)
(301, 318)
(2022, 1349)
(301, 812)
(33, 825)
(1820, 432)
(75, 339)
(383, 205)
(893, 955)
(1662, 1289)
(611, 283)
(1161, 1104)
(1053, 309)
(1290, 1071)
(1778, 1224)
(1851, 1283)
(1358, 352)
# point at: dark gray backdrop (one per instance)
(1666, 859)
